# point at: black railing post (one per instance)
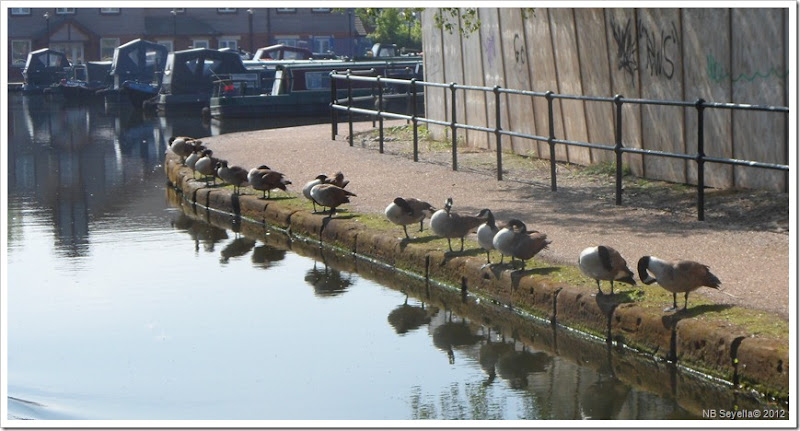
(414, 117)
(550, 139)
(618, 146)
(380, 117)
(334, 116)
(700, 104)
(453, 124)
(350, 105)
(497, 136)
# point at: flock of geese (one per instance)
(511, 239)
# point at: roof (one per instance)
(180, 25)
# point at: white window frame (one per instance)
(110, 11)
(226, 10)
(20, 11)
(65, 11)
(20, 62)
(286, 10)
(319, 40)
(321, 10)
(201, 43)
(111, 41)
(231, 42)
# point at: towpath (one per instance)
(753, 264)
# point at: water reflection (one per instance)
(409, 317)
(327, 281)
(450, 335)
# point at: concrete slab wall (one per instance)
(717, 54)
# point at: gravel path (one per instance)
(752, 262)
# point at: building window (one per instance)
(20, 11)
(233, 44)
(166, 43)
(109, 11)
(288, 41)
(65, 11)
(226, 10)
(19, 52)
(321, 10)
(286, 10)
(322, 44)
(107, 47)
(200, 43)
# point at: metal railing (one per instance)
(700, 105)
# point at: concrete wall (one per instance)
(720, 55)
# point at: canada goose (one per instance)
(406, 211)
(192, 159)
(233, 175)
(207, 165)
(515, 240)
(309, 185)
(448, 224)
(677, 276)
(265, 179)
(338, 180)
(605, 263)
(183, 146)
(486, 232)
(331, 196)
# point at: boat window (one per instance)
(318, 80)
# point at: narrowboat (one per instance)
(304, 88)
(85, 81)
(189, 78)
(136, 71)
(44, 70)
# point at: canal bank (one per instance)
(701, 338)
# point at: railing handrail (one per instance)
(618, 148)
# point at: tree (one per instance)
(393, 25)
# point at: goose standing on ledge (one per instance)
(404, 211)
(515, 240)
(682, 276)
(605, 263)
(331, 196)
(265, 179)
(448, 224)
(320, 179)
(233, 175)
(207, 166)
(486, 233)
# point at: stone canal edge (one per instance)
(720, 349)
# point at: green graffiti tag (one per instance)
(717, 72)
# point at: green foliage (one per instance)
(466, 19)
(393, 25)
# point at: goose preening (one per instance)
(183, 146)
(265, 179)
(448, 224)
(682, 276)
(404, 211)
(338, 180)
(514, 240)
(207, 165)
(605, 263)
(486, 233)
(321, 178)
(233, 175)
(330, 196)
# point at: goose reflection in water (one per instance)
(265, 256)
(489, 354)
(408, 317)
(239, 246)
(604, 399)
(200, 232)
(451, 335)
(327, 281)
(515, 366)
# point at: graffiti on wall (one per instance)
(519, 49)
(626, 48)
(717, 73)
(659, 48)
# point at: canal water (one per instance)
(126, 303)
